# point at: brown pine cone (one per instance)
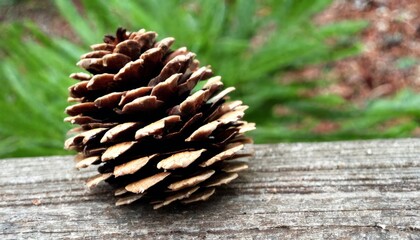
(152, 134)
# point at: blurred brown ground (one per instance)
(391, 49)
(390, 59)
(42, 12)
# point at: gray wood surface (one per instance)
(338, 190)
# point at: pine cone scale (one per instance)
(143, 184)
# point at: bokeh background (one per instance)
(309, 70)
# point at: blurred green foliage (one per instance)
(249, 43)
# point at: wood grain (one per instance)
(344, 190)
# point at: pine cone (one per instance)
(153, 136)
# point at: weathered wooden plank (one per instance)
(363, 189)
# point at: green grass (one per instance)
(249, 43)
